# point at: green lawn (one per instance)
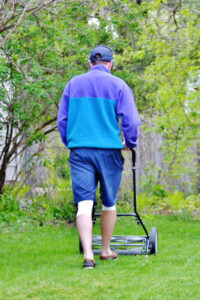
(44, 263)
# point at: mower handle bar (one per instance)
(134, 191)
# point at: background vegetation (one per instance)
(45, 43)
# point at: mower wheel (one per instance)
(80, 246)
(153, 241)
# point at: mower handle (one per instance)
(133, 157)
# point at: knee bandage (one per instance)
(108, 208)
(85, 207)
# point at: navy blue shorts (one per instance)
(90, 166)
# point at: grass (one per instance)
(44, 263)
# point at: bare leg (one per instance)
(84, 225)
(108, 219)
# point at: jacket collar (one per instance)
(100, 68)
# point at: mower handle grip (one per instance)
(133, 156)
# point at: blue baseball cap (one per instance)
(105, 53)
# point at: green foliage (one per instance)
(9, 208)
(149, 184)
(176, 200)
(125, 202)
(8, 202)
(54, 203)
(160, 61)
(172, 203)
(171, 87)
(157, 54)
(51, 207)
(155, 198)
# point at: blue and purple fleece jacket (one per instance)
(90, 109)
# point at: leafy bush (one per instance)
(173, 203)
(9, 208)
(52, 206)
(8, 202)
(54, 202)
(193, 202)
(57, 199)
(153, 197)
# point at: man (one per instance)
(90, 109)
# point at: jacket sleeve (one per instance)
(130, 118)
(63, 114)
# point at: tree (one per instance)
(37, 59)
(171, 37)
(43, 45)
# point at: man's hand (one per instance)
(124, 146)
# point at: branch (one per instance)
(52, 71)
(15, 177)
(166, 7)
(18, 174)
(24, 146)
(46, 124)
(17, 24)
(6, 28)
(174, 13)
(175, 150)
(50, 130)
(18, 68)
(13, 16)
(25, 10)
(14, 147)
(16, 144)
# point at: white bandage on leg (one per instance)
(108, 208)
(85, 207)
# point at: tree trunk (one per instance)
(2, 177)
(5, 158)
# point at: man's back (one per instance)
(92, 120)
(98, 82)
(95, 102)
